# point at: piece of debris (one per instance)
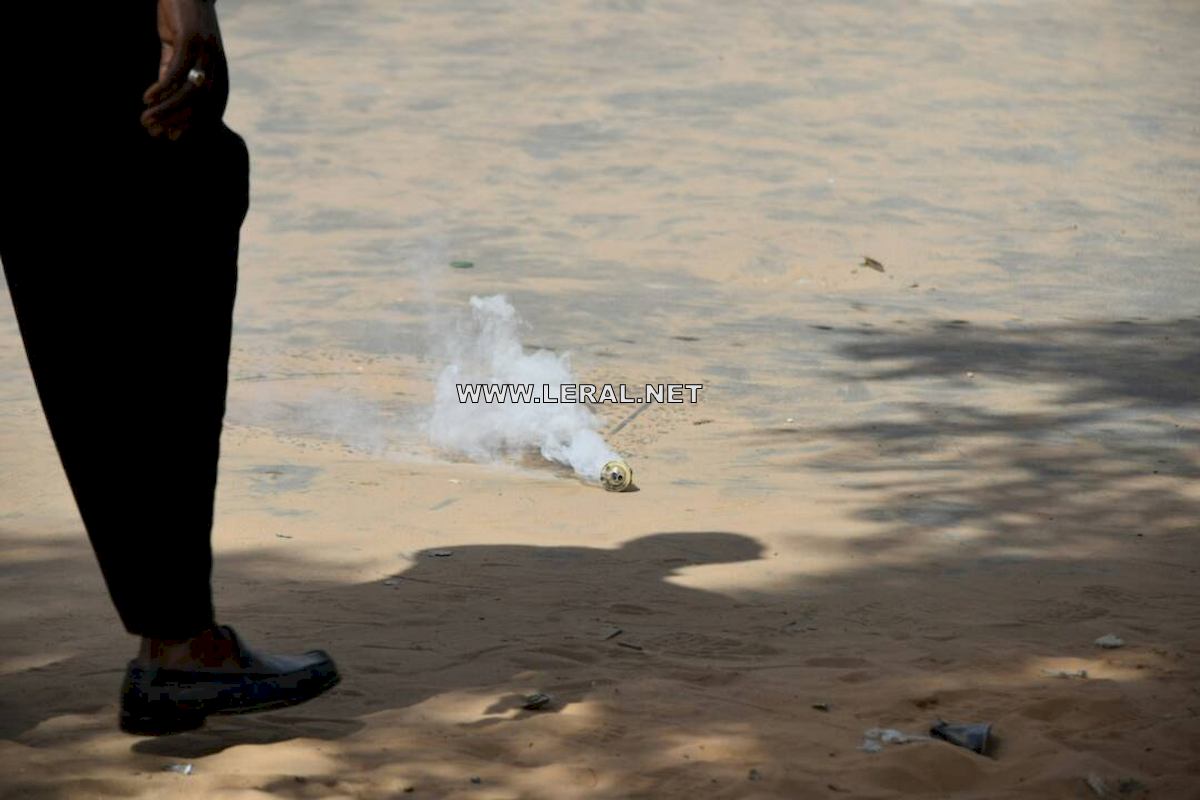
(875, 738)
(702, 422)
(893, 736)
(476, 779)
(1130, 785)
(754, 775)
(872, 263)
(1096, 784)
(1110, 641)
(462, 264)
(440, 553)
(820, 707)
(182, 769)
(537, 701)
(391, 582)
(1065, 673)
(282, 536)
(611, 633)
(972, 735)
(630, 645)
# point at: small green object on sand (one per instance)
(462, 264)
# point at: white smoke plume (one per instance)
(486, 348)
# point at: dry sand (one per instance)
(904, 494)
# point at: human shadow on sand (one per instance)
(522, 607)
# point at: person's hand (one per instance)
(193, 77)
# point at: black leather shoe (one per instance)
(157, 701)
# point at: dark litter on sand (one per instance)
(975, 736)
(538, 701)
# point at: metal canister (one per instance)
(616, 476)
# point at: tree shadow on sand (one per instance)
(1027, 435)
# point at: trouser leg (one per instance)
(124, 295)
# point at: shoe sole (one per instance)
(166, 725)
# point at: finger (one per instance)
(180, 123)
(170, 75)
(174, 126)
(186, 95)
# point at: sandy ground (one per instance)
(906, 495)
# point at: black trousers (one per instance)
(120, 253)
